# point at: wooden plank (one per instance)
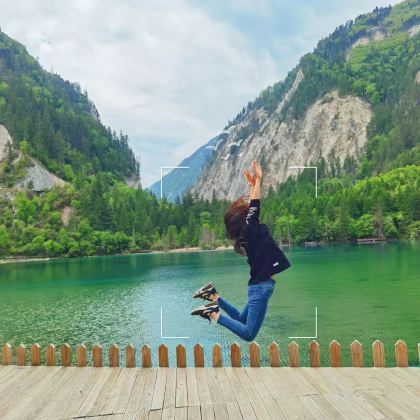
(214, 387)
(193, 413)
(62, 388)
(356, 354)
(254, 355)
(70, 393)
(255, 376)
(293, 348)
(146, 356)
(192, 388)
(181, 397)
(97, 356)
(65, 355)
(217, 356)
(114, 356)
(260, 410)
(112, 399)
(170, 389)
(147, 394)
(130, 356)
(81, 360)
(76, 398)
(378, 354)
(235, 355)
(181, 356)
(246, 383)
(203, 387)
(198, 356)
(126, 391)
(88, 402)
(247, 411)
(17, 405)
(136, 393)
(97, 406)
(181, 413)
(314, 354)
(159, 390)
(274, 352)
(207, 412)
(50, 355)
(21, 355)
(224, 384)
(220, 411)
(163, 356)
(335, 354)
(7, 354)
(233, 410)
(401, 357)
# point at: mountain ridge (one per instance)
(332, 72)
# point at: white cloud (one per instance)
(167, 73)
(156, 70)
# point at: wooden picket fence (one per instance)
(378, 353)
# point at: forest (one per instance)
(96, 213)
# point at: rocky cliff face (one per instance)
(35, 175)
(333, 127)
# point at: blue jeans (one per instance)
(247, 323)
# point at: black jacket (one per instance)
(264, 257)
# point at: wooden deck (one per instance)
(208, 393)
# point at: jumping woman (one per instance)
(265, 259)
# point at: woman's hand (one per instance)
(257, 171)
(250, 178)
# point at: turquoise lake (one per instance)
(363, 292)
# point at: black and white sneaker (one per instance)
(206, 310)
(205, 292)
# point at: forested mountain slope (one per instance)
(55, 122)
(350, 107)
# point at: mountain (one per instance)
(178, 181)
(54, 122)
(350, 106)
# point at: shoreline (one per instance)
(13, 260)
(23, 259)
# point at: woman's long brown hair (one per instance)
(235, 220)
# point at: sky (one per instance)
(171, 73)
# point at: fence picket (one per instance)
(7, 354)
(293, 354)
(217, 355)
(97, 355)
(314, 354)
(114, 356)
(274, 351)
(335, 354)
(81, 356)
(65, 355)
(356, 354)
(198, 356)
(35, 355)
(163, 356)
(235, 355)
(130, 356)
(254, 355)
(21, 355)
(50, 355)
(401, 357)
(146, 356)
(181, 356)
(378, 354)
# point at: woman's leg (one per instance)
(232, 311)
(258, 297)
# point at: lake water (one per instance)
(364, 292)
